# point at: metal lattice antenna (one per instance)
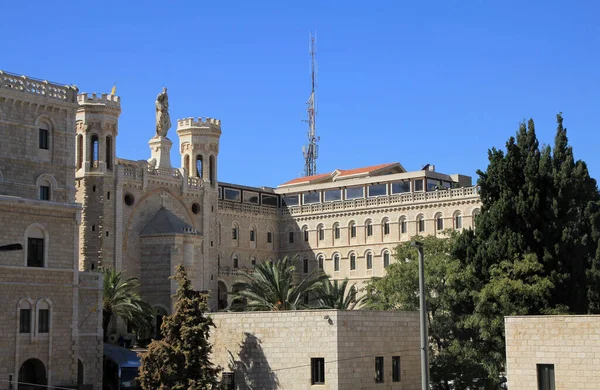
(310, 151)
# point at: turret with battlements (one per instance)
(199, 140)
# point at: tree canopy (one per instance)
(181, 359)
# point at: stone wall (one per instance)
(570, 343)
(272, 350)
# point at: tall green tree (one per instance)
(121, 299)
(336, 295)
(275, 286)
(535, 249)
(181, 359)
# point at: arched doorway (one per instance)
(222, 294)
(32, 373)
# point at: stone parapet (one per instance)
(38, 87)
(99, 98)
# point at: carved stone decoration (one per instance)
(163, 120)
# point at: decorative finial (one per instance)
(114, 89)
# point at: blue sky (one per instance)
(415, 82)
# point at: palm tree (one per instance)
(271, 286)
(121, 299)
(336, 295)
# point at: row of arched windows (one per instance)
(252, 237)
(94, 151)
(352, 259)
(198, 170)
(34, 317)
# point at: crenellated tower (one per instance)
(97, 124)
(199, 147)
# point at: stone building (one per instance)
(553, 352)
(50, 328)
(325, 349)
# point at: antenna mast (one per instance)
(310, 151)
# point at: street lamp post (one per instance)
(423, 317)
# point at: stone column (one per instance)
(160, 148)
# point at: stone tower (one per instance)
(97, 128)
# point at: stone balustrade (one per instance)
(247, 208)
(230, 271)
(44, 88)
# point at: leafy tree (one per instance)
(121, 299)
(535, 249)
(272, 286)
(180, 360)
(336, 295)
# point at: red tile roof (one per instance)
(346, 172)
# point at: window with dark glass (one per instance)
(291, 237)
(369, 261)
(43, 320)
(43, 139)
(440, 223)
(353, 231)
(379, 369)
(336, 262)
(396, 369)
(253, 262)
(377, 190)
(235, 262)
(421, 225)
(321, 233)
(305, 266)
(418, 185)
(369, 229)
(386, 259)
(269, 200)
(233, 195)
(252, 235)
(251, 197)
(352, 262)
(25, 321)
(400, 187)
(311, 197)
(317, 366)
(269, 237)
(234, 233)
(290, 200)
(386, 227)
(403, 226)
(336, 232)
(458, 221)
(355, 192)
(44, 192)
(545, 376)
(332, 195)
(306, 235)
(320, 262)
(35, 252)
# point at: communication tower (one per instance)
(311, 150)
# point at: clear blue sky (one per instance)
(415, 82)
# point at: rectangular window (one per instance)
(44, 193)
(43, 135)
(336, 232)
(321, 234)
(290, 200)
(35, 252)
(369, 261)
(440, 223)
(379, 369)
(336, 263)
(269, 237)
(355, 192)
(252, 235)
(545, 376)
(458, 222)
(400, 187)
(220, 192)
(403, 226)
(369, 230)
(233, 195)
(433, 185)
(377, 190)
(291, 237)
(234, 234)
(386, 260)
(386, 228)
(421, 225)
(269, 200)
(353, 231)
(43, 320)
(251, 197)
(418, 185)
(396, 369)
(311, 197)
(305, 266)
(332, 195)
(320, 262)
(25, 321)
(352, 262)
(317, 366)
(306, 235)
(235, 262)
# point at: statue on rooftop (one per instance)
(163, 120)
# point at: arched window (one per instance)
(352, 261)
(79, 151)
(352, 228)
(336, 262)
(475, 216)
(252, 233)
(270, 238)
(336, 231)
(457, 220)
(199, 171)
(235, 260)
(439, 222)
(94, 151)
(369, 260)
(186, 164)
(109, 153)
(25, 315)
(368, 228)
(385, 226)
(36, 251)
(321, 232)
(305, 233)
(235, 233)
(420, 223)
(211, 170)
(43, 315)
(320, 261)
(386, 259)
(403, 225)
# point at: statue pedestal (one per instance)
(160, 149)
